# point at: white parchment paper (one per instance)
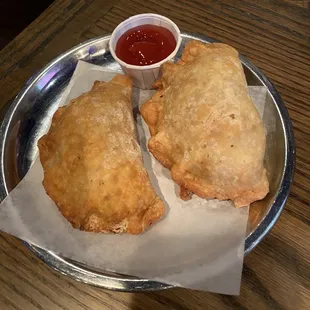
(199, 244)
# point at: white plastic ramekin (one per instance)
(144, 76)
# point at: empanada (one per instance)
(93, 167)
(205, 127)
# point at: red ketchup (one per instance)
(145, 45)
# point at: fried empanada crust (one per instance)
(205, 127)
(93, 168)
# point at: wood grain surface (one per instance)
(275, 35)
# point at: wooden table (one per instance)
(275, 35)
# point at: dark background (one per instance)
(15, 15)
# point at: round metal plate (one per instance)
(26, 118)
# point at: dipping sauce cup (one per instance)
(144, 75)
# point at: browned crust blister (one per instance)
(205, 128)
(93, 167)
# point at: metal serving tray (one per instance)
(27, 116)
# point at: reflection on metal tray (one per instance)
(26, 119)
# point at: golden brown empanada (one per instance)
(205, 127)
(93, 168)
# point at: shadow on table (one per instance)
(182, 299)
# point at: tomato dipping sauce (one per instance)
(145, 45)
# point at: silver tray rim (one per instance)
(118, 282)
